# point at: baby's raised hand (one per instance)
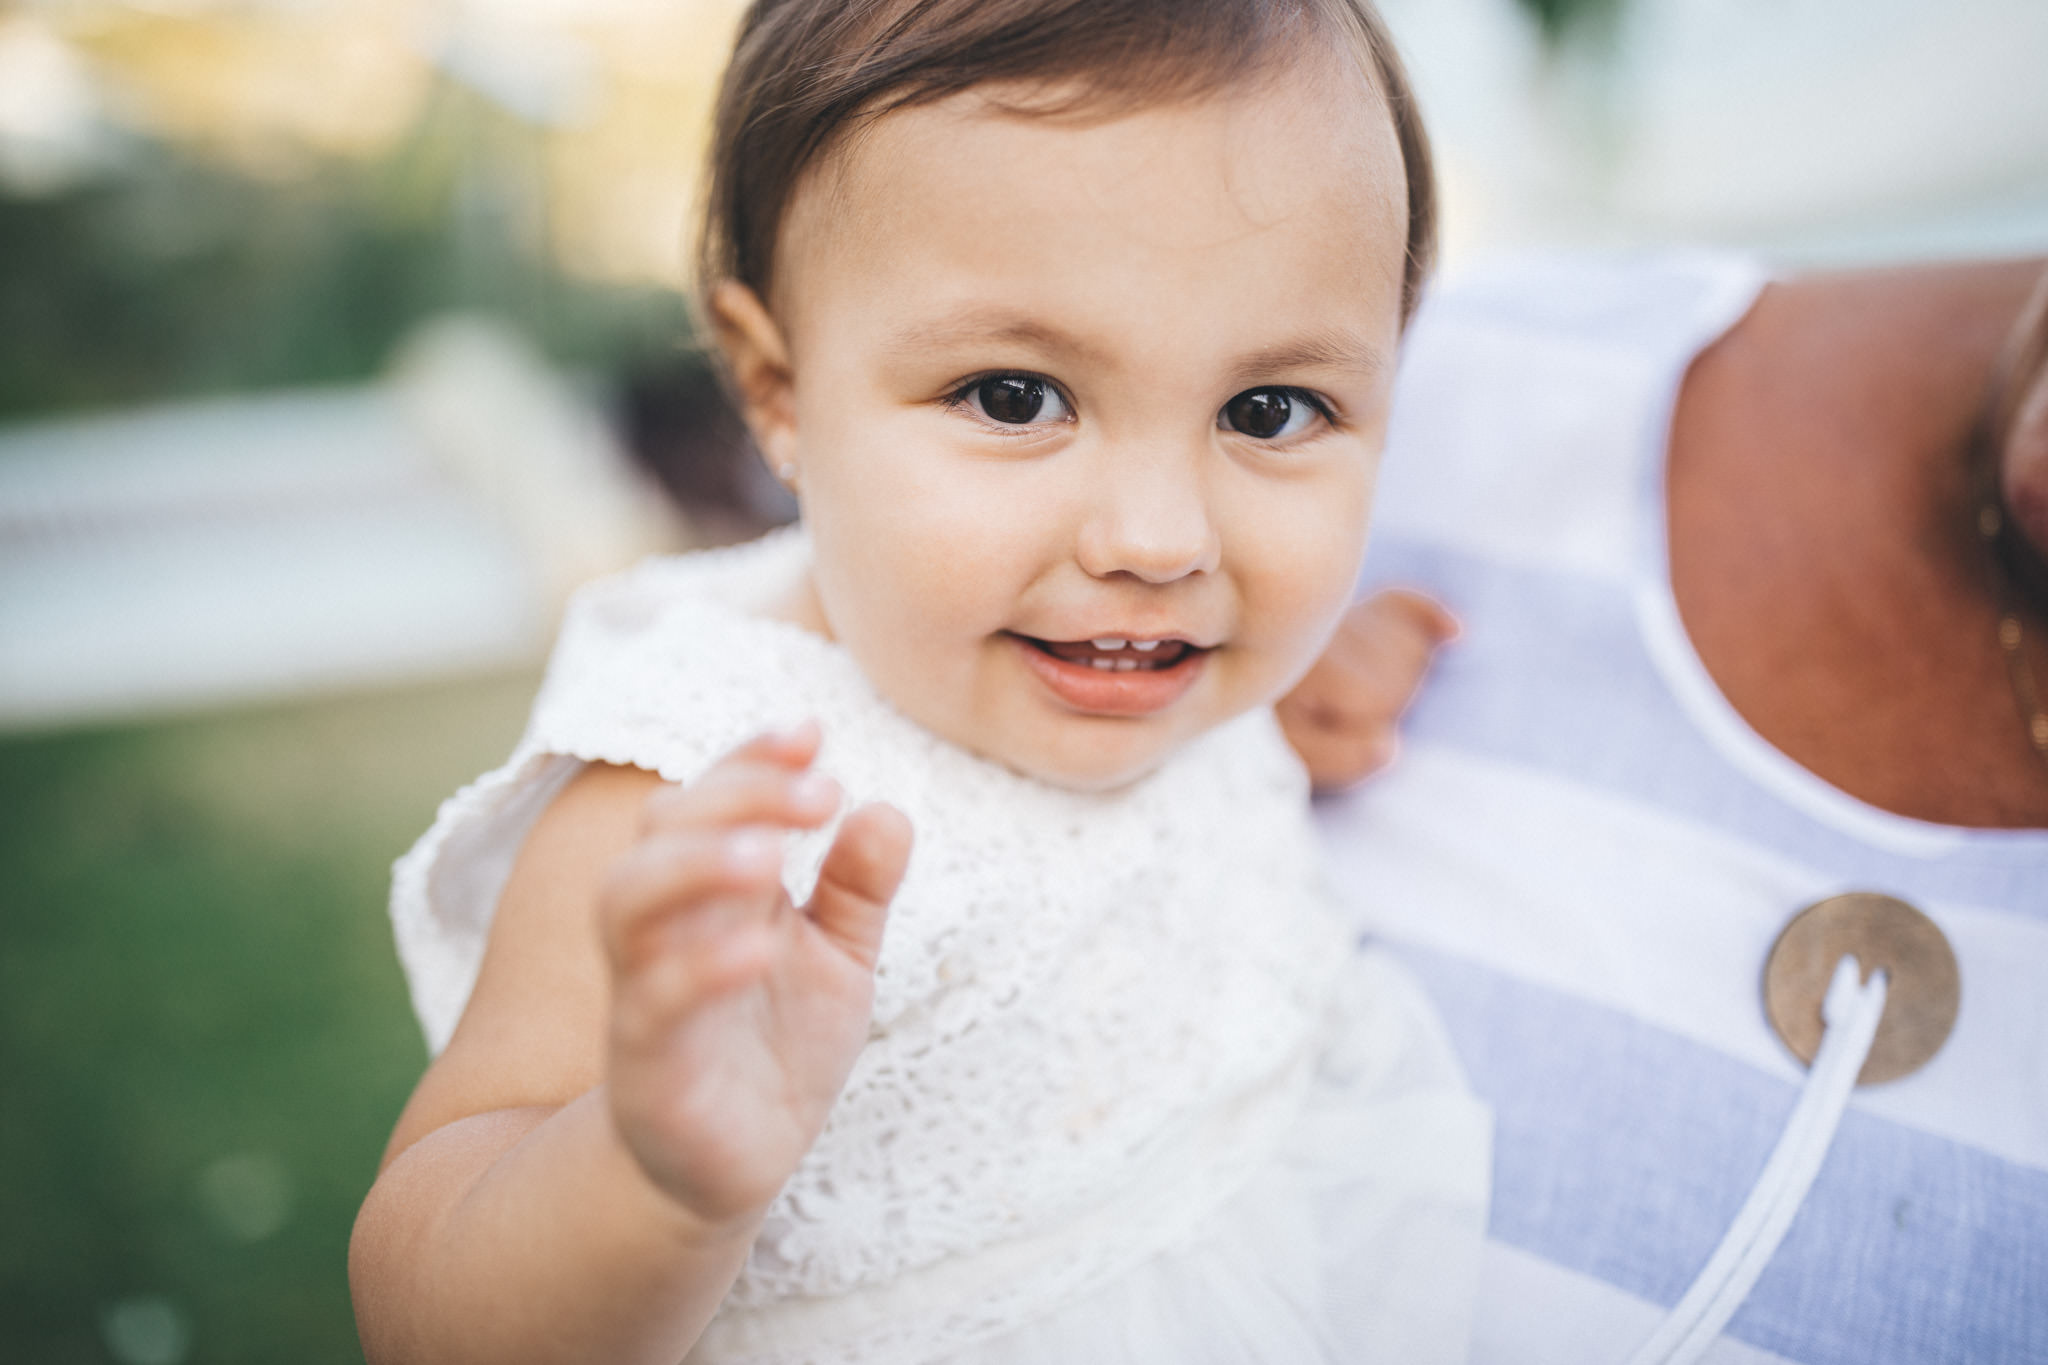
(1341, 717)
(735, 1016)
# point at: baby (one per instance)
(1073, 325)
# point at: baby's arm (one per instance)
(654, 1040)
(1341, 717)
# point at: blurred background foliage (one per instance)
(210, 197)
(1558, 19)
(182, 276)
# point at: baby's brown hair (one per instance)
(804, 71)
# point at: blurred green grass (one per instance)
(204, 1034)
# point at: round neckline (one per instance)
(1692, 687)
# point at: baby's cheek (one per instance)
(1301, 587)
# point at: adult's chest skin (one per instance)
(1823, 554)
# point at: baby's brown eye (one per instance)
(1266, 413)
(1011, 398)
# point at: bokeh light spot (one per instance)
(248, 1195)
(146, 1329)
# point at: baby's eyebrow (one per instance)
(996, 327)
(1334, 349)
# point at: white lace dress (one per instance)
(1131, 1093)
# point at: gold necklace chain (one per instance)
(2011, 637)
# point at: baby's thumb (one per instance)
(860, 875)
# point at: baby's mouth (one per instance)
(1114, 676)
(1112, 655)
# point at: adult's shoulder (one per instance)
(1535, 393)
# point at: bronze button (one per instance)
(1923, 988)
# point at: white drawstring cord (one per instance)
(1850, 1012)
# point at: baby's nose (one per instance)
(1149, 516)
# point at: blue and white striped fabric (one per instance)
(1587, 854)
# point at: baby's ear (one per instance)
(758, 361)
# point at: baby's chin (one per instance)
(1091, 779)
(1095, 755)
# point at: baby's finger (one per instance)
(745, 793)
(1380, 657)
(647, 1004)
(792, 747)
(1421, 613)
(1343, 760)
(1339, 741)
(671, 875)
(860, 875)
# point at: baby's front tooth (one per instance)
(1144, 646)
(1108, 642)
(1104, 664)
(1126, 665)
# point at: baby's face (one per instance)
(1086, 414)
